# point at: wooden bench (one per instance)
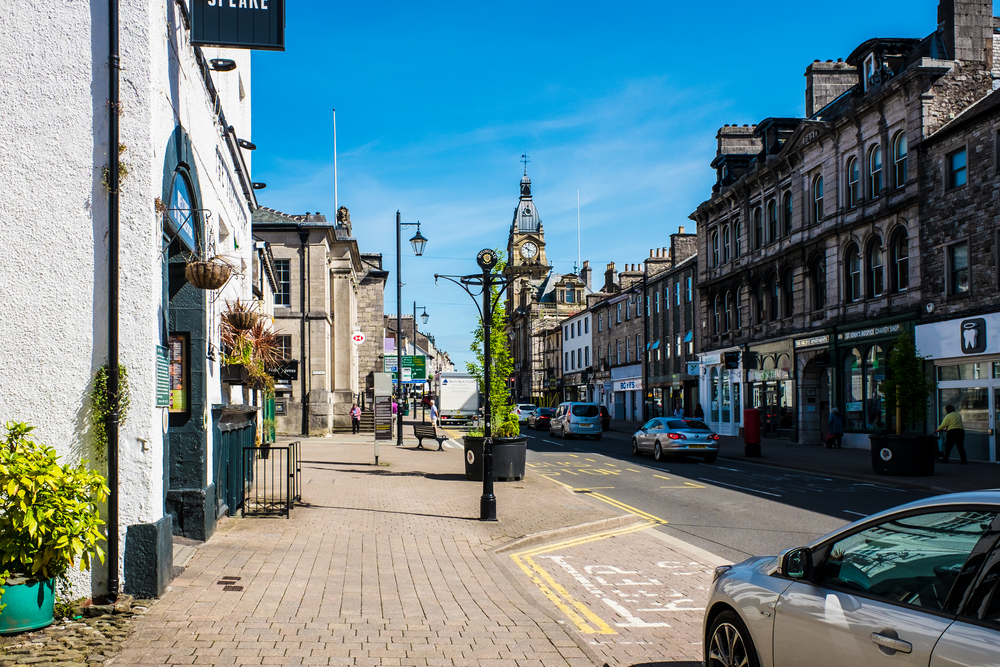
(427, 430)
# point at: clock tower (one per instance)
(526, 243)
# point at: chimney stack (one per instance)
(966, 28)
(827, 81)
(585, 274)
(610, 279)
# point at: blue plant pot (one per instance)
(28, 607)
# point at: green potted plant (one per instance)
(509, 448)
(247, 354)
(906, 391)
(49, 523)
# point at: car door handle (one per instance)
(891, 643)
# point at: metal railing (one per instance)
(272, 478)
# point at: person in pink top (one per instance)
(355, 419)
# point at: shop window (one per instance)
(958, 268)
(875, 275)
(899, 159)
(714, 407)
(852, 282)
(853, 389)
(758, 228)
(819, 283)
(853, 178)
(899, 250)
(772, 221)
(955, 372)
(973, 404)
(874, 171)
(874, 377)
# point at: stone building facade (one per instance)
(619, 337)
(371, 309)
(322, 279)
(808, 257)
(959, 329)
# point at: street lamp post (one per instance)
(423, 318)
(487, 259)
(418, 242)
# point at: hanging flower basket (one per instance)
(207, 275)
(242, 320)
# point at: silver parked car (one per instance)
(914, 585)
(573, 419)
(665, 436)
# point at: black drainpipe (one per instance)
(113, 183)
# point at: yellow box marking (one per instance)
(661, 476)
(686, 485)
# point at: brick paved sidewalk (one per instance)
(386, 565)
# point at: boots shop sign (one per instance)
(239, 24)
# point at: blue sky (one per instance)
(437, 102)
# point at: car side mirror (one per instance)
(796, 563)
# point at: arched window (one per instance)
(715, 249)
(737, 309)
(876, 282)
(716, 308)
(738, 238)
(817, 192)
(853, 179)
(788, 212)
(819, 283)
(725, 245)
(899, 159)
(727, 320)
(758, 228)
(774, 292)
(874, 171)
(760, 303)
(788, 292)
(772, 221)
(852, 266)
(899, 270)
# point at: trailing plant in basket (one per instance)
(505, 424)
(907, 385)
(49, 518)
(256, 348)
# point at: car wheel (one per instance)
(730, 643)
(635, 447)
(710, 458)
(657, 451)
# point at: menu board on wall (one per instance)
(162, 377)
(177, 344)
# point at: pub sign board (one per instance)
(239, 24)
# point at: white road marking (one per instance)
(558, 444)
(742, 488)
(858, 513)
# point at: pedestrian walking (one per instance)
(698, 412)
(355, 419)
(835, 431)
(434, 416)
(679, 412)
(954, 429)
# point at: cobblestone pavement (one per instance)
(389, 565)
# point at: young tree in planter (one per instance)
(505, 424)
(907, 387)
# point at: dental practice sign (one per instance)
(240, 24)
(959, 338)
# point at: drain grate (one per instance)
(228, 583)
(581, 491)
(232, 588)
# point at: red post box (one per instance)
(751, 432)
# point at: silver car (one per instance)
(914, 585)
(665, 436)
(522, 410)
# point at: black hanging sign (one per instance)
(239, 24)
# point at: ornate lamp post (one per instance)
(418, 242)
(487, 259)
(423, 318)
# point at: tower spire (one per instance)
(525, 159)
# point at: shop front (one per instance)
(859, 371)
(721, 383)
(575, 385)
(626, 388)
(771, 384)
(965, 355)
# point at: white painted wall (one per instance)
(54, 219)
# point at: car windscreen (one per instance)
(547, 411)
(527, 406)
(585, 411)
(687, 425)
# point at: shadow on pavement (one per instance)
(685, 663)
(367, 509)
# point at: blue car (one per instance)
(576, 419)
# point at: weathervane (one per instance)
(525, 159)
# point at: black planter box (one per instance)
(903, 455)
(235, 374)
(508, 458)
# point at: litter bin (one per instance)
(751, 432)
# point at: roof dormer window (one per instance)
(868, 71)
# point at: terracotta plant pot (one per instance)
(207, 275)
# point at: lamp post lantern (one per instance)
(417, 242)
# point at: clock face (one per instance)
(528, 250)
